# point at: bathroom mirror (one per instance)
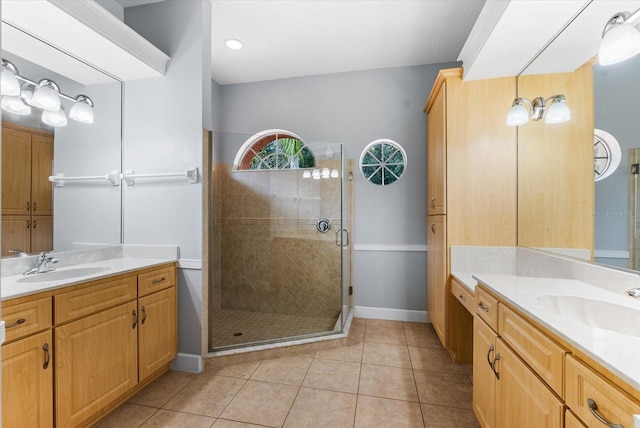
(615, 110)
(83, 212)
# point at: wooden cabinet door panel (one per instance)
(41, 169)
(437, 277)
(157, 334)
(16, 233)
(437, 155)
(41, 233)
(523, 400)
(484, 379)
(96, 363)
(27, 382)
(16, 172)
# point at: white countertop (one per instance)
(22, 285)
(618, 352)
(465, 279)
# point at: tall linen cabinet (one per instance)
(471, 188)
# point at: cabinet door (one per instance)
(27, 382)
(484, 379)
(41, 233)
(16, 172)
(16, 233)
(41, 169)
(437, 281)
(437, 155)
(96, 363)
(157, 334)
(523, 400)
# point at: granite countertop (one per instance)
(603, 324)
(23, 285)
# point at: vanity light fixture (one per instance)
(9, 84)
(44, 95)
(233, 44)
(620, 39)
(556, 112)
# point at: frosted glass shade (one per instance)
(620, 42)
(9, 83)
(558, 112)
(306, 174)
(46, 98)
(335, 173)
(82, 112)
(518, 115)
(14, 104)
(54, 118)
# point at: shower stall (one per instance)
(281, 262)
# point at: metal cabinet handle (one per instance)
(464, 299)
(144, 315)
(18, 322)
(433, 227)
(593, 408)
(483, 307)
(28, 206)
(491, 349)
(28, 224)
(340, 233)
(34, 224)
(493, 367)
(433, 203)
(35, 207)
(47, 356)
(135, 319)
(158, 280)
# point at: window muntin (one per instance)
(272, 150)
(383, 162)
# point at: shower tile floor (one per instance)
(259, 326)
(390, 374)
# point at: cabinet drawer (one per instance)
(571, 420)
(85, 301)
(542, 354)
(27, 318)
(463, 295)
(487, 308)
(583, 385)
(158, 279)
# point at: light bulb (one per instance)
(82, 110)
(45, 96)
(558, 112)
(14, 104)
(54, 118)
(518, 114)
(619, 42)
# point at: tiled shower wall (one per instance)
(268, 255)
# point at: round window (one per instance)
(383, 162)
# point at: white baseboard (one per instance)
(187, 363)
(391, 314)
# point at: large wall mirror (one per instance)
(38, 215)
(606, 99)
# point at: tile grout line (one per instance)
(298, 391)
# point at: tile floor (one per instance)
(391, 374)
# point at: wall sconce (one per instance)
(556, 112)
(620, 39)
(19, 98)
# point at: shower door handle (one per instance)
(341, 242)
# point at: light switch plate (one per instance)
(636, 421)
(2, 333)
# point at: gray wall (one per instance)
(617, 111)
(354, 109)
(163, 121)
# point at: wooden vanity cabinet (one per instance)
(471, 172)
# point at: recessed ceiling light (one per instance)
(233, 44)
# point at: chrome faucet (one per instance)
(42, 264)
(19, 253)
(634, 292)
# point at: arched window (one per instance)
(274, 149)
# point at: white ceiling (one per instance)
(309, 37)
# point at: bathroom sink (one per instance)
(59, 275)
(604, 315)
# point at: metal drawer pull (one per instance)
(28, 206)
(144, 315)
(593, 408)
(433, 227)
(18, 322)
(433, 203)
(158, 280)
(491, 349)
(47, 355)
(35, 207)
(483, 307)
(135, 319)
(493, 367)
(464, 299)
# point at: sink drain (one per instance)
(237, 334)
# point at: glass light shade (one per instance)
(326, 173)
(335, 173)
(620, 42)
(316, 174)
(54, 118)
(518, 115)
(306, 174)
(14, 104)
(82, 112)
(46, 97)
(233, 44)
(558, 112)
(9, 83)
(26, 92)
